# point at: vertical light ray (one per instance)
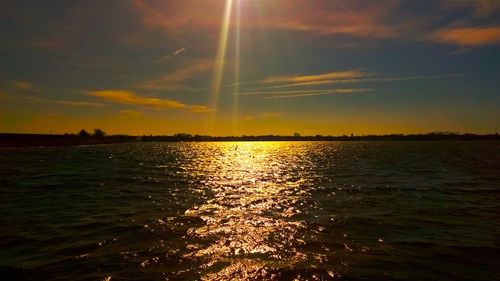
(237, 45)
(220, 59)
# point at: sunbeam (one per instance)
(220, 59)
(237, 68)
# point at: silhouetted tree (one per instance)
(98, 133)
(83, 134)
(183, 136)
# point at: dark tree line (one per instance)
(98, 133)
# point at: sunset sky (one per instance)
(225, 67)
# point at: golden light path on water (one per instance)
(249, 224)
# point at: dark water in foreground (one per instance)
(217, 211)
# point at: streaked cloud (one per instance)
(468, 36)
(336, 23)
(481, 7)
(64, 102)
(316, 78)
(288, 81)
(173, 80)
(319, 93)
(128, 97)
(357, 18)
(173, 54)
(369, 78)
(77, 103)
(354, 18)
(179, 51)
(313, 81)
(281, 92)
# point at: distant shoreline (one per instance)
(40, 140)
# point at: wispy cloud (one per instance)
(417, 77)
(468, 36)
(357, 18)
(338, 75)
(481, 7)
(77, 103)
(181, 50)
(282, 92)
(173, 54)
(173, 80)
(319, 93)
(288, 81)
(128, 97)
(354, 18)
(314, 83)
(368, 79)
(64, 102)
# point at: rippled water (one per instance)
(247, 211)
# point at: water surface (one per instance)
(252, 210)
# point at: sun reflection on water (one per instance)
(250, 222)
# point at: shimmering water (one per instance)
(252, 211)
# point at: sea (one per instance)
(408, 210)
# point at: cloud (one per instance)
(334, 17)
(304, 92)
(369, 78)
(176, 19)
(318, 93)
(127, 97)
(339, 75)
(481, 7)
(282, 92)
(175, 53)
(23, 85)
(288, 81)
(77, 103)
(179, 51)
(468, 36)
(172, 80)
(65, 102)
(334, 25)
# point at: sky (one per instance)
(250, 67)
